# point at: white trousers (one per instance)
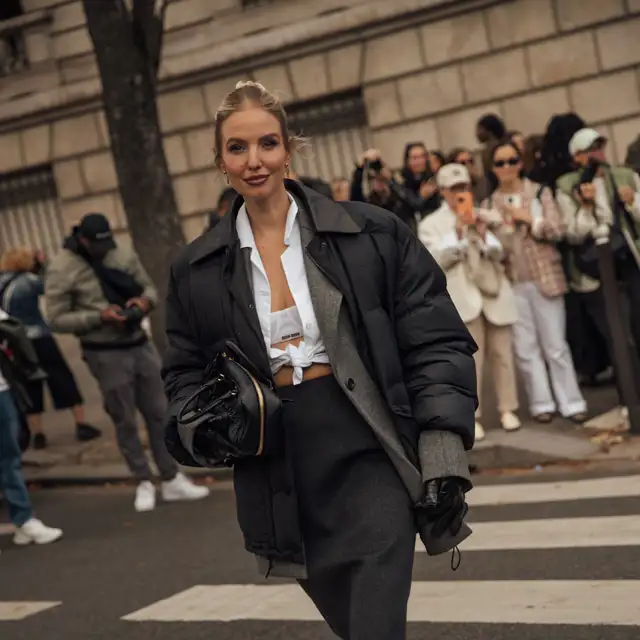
(540, 342)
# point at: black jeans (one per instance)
(589, 330)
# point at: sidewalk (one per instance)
(66, 461)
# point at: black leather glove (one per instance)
(443, 505)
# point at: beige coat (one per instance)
(437, 232)
(74, 298)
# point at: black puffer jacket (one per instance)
(409, 334)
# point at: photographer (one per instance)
(370, 183)
(410, 199)
(99, 291)
(472, 257)
(597, 200)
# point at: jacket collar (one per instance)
(326, 216)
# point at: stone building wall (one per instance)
(428, 70)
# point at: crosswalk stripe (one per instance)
(528, 493)
(552, 533)
(569, 602)
(14, 611)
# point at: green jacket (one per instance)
(566, 184)
(623, 176)
(74, 298)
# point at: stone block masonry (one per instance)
(425, 78)
(428, 69)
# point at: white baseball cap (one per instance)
(583, 140)
(452, 174)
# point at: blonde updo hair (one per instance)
(252, 93)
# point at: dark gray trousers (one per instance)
(129, 379)
(355, 514)
(367, 599)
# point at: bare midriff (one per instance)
(284, 377)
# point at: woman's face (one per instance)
(507, 163)
(482, 134)
(417, 160)
(465, 158)
(434, 163)
(254, 154)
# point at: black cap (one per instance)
(95, 228)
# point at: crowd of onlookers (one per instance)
(513, 227)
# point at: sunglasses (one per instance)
(511, 162)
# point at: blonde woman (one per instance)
(20, 291)
(345, 316)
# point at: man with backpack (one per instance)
(99, 291)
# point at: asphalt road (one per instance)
(113, 563)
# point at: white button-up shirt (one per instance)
(311, 348)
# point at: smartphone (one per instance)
(514, 201)
(376, 166)
(464, 207)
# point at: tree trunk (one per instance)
(128, 72)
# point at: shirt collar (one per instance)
(245, 233)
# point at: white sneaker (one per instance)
(34, 531)
(145, 497)
(181, 488)
(479, 432)
(510, 421)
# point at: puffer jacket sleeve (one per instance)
(183, 365)
(437, 357)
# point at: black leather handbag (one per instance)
(234, 415)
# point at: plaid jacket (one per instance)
(542, 259)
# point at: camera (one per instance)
(132, 315)
(589, 172)
(376, 166)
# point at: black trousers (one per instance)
(595, 331)
(587, 332)
(355, 514)
(62, 385)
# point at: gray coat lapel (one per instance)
(326, 299)
(339, 342)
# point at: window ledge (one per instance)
(26, 22)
